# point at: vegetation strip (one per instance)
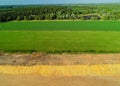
(74, 70)
(60, 41)
(60, 12)
(61, 25)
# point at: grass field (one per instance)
(60, 36)
(60, 41)
(62, 25)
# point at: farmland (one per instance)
(49, 45)
(60, 36)
(62, 25)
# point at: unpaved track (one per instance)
(34, 80)
(58, 59)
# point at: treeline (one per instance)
(58, 13)
(35, 13)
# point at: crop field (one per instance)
(60, 41)
(60, 36)
(62, 25)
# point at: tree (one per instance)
(105, 18)
(26, 17)
(41, 17)
(31, 17)
(9, 18)
(19, 18)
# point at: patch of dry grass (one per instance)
(74, 70)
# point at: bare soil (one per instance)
(58, 59)
(34, 80)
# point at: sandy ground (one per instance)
(34, 80)
(58, 59)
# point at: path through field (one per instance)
(110, 62)
(34, 80)
(58, 59)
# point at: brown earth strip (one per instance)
(35, 80)
(58, 59)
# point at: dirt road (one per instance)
(58, 59)
(34, 80)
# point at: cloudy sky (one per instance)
(18, 2)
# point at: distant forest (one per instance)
(60, 12)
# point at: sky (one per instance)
(24, 2)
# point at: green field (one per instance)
(62, 25)
(61, 36)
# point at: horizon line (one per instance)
(59, 4)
